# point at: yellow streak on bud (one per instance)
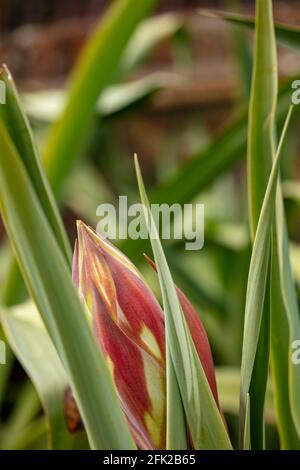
(149, 339)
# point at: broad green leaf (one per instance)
(16, 123)
(35, 351)
(257, 283)
(285, 34)
(203, 417)
(93, 72)
(49, 281)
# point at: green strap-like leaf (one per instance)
(260, 152)
(203, 417)
(256, 287)
(149, 34)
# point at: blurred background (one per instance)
(184, 81)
